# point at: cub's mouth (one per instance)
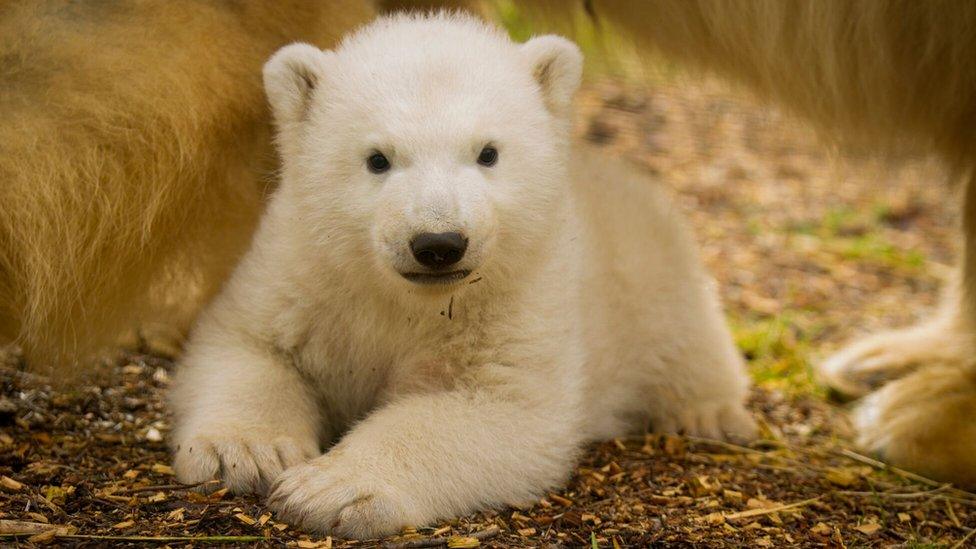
(431, 278)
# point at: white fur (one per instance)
(587, 313)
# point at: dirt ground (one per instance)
(810, 248)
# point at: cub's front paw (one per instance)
(339, 496)
(245, 462)
(719, 421)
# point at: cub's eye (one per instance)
(488, 156)
(377, 163)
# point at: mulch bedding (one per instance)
(87, 465)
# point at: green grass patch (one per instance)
(860, 236)
(778, 351)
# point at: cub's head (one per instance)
(428, 149)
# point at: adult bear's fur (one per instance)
(132, 149)
(864, 71)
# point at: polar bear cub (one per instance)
(444, 301)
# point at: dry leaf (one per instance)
(43, 538)
(703, 485)
(868, 528)
(565, 502)
(715, 519)
(842, 477)
(821, 529)
(132, 369)
(57, 494)
(462, 542)
(732, 495)
(162, 469)
(11, 484)
(38, 517)
(674, 446)
(197, 497)
(24, 528)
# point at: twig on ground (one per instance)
(164, 487)
(198, 539)
(746, 450)
(770, 510)
(963, 541)
(886, 467)
(156, 539)
(439, 541)
(952, 513)
(896, 495)
(25, 528)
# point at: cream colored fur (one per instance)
(586, 313)
(883, 75)
(133, 153)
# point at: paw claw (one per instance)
(244, 463)
(332, 497)
(714, 421)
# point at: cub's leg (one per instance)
(660, 350)
(698, 386)
(243, 413)
(504, 438)
(674, 370)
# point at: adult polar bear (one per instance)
(441, 295)
(134, 154)
(881, 74)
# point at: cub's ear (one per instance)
(290, 79)
(557, 66)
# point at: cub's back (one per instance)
(636, 236)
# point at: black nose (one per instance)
(438, 250)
